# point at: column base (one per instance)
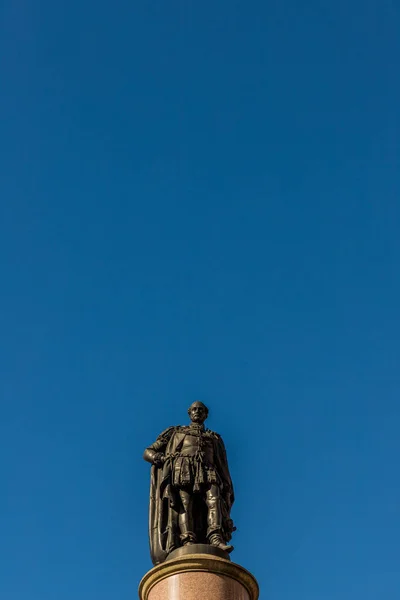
(195, 576)
(197, 549)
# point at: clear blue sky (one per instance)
(200, 200)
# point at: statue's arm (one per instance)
(154, 454)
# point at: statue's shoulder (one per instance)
(213, 434)
(167, 433)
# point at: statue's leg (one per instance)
(186, 518)
(214, 519)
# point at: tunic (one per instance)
(193, 466)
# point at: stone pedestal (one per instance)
(198, 577)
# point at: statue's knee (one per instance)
(186, 504)
(212, 501)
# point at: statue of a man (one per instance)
(191, 492)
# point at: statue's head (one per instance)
(198, 412)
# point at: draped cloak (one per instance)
(164, 497)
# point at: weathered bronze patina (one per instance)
(191, 492)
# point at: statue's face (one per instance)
(197, 413)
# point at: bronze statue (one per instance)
(191, 492)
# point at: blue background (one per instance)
(199, 200)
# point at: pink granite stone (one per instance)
(198, 577)
(198, 586)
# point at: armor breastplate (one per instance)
(193, 443)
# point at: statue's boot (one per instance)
(214, 521)
(186, 526)
(188, 538)
(217, 541)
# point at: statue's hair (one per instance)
(201, 404)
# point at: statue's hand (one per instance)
(158, 459)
